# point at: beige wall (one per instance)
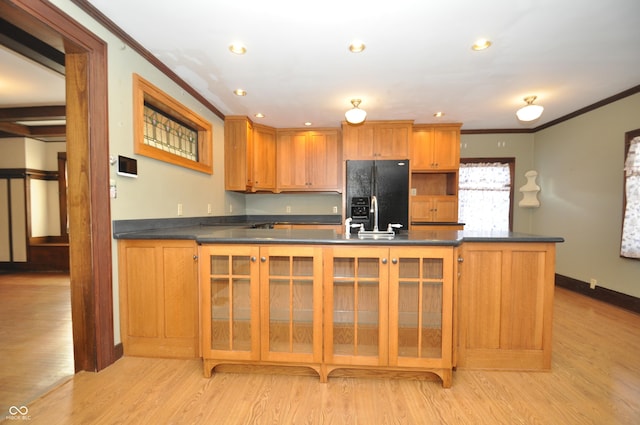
(580, 171)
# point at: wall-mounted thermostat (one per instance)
(127, 166)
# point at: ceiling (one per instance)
(32, 87)
(417, 61)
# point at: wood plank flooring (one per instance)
(36, 343)
(595, 380)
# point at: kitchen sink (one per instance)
(379, 234)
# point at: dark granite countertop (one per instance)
(243, 234)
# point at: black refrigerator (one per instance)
(388, 180)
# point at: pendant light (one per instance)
(355, 115)
(529, 112)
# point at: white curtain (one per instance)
(631, 225)
(484, 196)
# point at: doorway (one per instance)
(88, 175)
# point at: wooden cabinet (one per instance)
(262, 168)
(505, 305)
(434, 209)
(389, 308)
(250, 155)
(435, 159)
(434, 198)
(309, 161)
(435, 147)
(159, 298)
(376, 140)
(261, 304)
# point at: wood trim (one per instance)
(145, 92)
(90, 221)
(599, 293)
(628, 137)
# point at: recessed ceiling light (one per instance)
(259, 115)
(240, 92)
(238, 48)
(307, 123)
(481, 44)
(356, 46)
(439, 114)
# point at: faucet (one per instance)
(374, 210)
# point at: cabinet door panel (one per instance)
(158, 298)
(446, 148)
(323, 160)
(292, 161)
(357, 142)
(356, 306)
(143, 302)
(422, 149)
(421, 209)
(522, 308)
(230, 302)
(445, 210)
(180, 293)
(391, 142)
(264, 159)
(291, 304)
(237, 133)
(420, 305)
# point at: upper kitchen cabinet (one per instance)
(377, 140)
(435, 147)
(250, 155)
(309, 160)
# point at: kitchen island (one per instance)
(314, 298)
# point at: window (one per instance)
(168, 131)
(630, 246)
(485, 194)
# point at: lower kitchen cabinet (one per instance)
(159, 298)
(389, 309)
(505, 305)
(261, 305)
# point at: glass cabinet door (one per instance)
(230, 302)
(291, 287)
(355, 331)
(420, 297)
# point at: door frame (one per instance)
(88, 175)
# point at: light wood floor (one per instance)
(36, 343)
(595, 380)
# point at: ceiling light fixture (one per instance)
(355, 115)
(259, 115)
(308, 124)
(481, 44)
(439, 114)
(238, 48)
(240, 92)
(356, 46)
(529, 112)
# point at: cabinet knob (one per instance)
(460, 260)
(195, 258)
(384, 261)
(263, 259)
(394, 260)
(253, 259)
